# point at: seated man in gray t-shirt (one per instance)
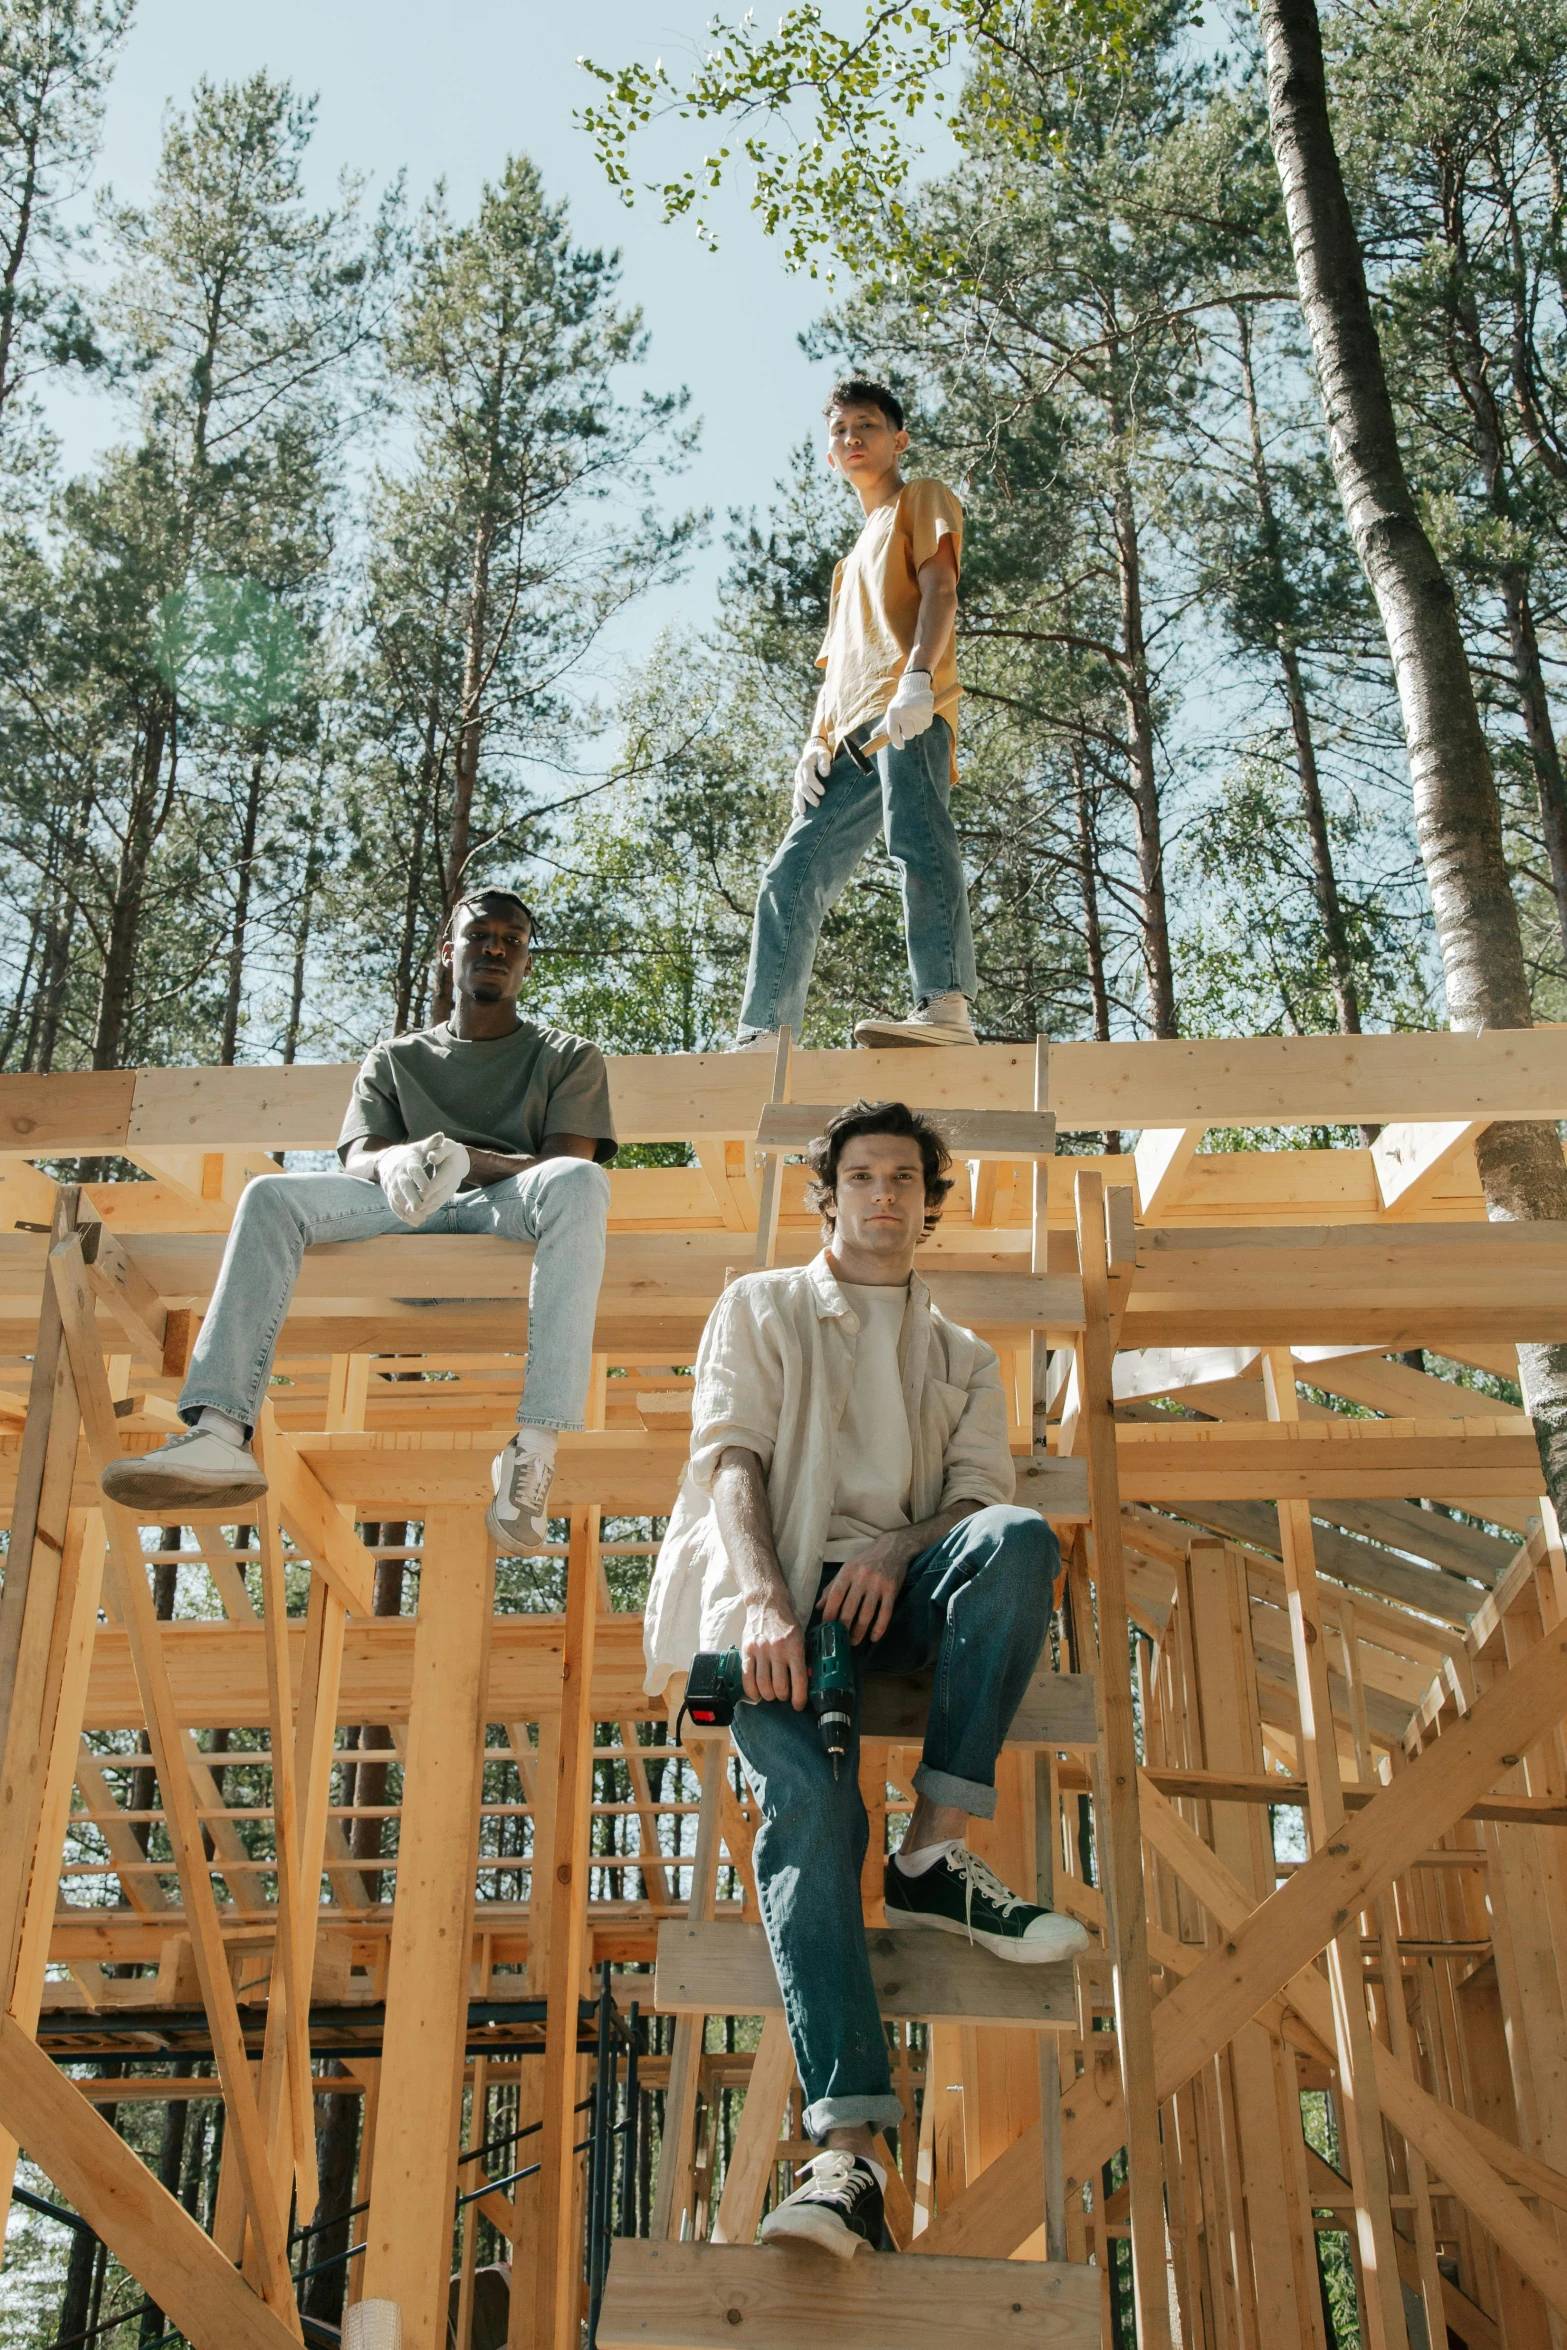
(485, 1123)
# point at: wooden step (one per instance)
(726, 1969)
(1057, 1709)
(776, 2297)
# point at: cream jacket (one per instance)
(773, 1374)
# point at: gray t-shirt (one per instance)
(503, 1093)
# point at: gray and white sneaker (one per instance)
(938, 1019)
(196, 1471)
(838, 2208)
(761, 1040)
(961, 1894)
(522, 1479)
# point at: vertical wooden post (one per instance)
(1383, 2297)
(29, 1606)
(81, 1583)
(673, 2194)
(1121, 1835)
(1400, 2039)
(570, 1819)
(409, 2229)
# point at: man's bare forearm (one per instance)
(745, 1527)
(938, 613)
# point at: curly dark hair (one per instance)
(864, 1117)
(862, 391)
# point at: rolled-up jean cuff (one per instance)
(963, 1794)
(846, 2113)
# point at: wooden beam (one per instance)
(133, 1599)
(755, 2150)
(1410, 1161)
(315, 1525)
(151, 2234)
(1160, 1161)
(776, 2297)
(565, 1809)
(1115, 1809)
(409, 2227)
(1283, 1935)
(1382, 2293)
(726, 1969)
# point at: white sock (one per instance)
(914, 1864)
(539, 1440)
(215, 1423)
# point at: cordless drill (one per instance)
(715, 1687)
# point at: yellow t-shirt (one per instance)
(875, 612)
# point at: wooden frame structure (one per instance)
(1309, 1586)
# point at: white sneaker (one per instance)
(765, 1041)
(939, 1019)
(522, 1477)
(199, 1470)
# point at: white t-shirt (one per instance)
(875, 1450)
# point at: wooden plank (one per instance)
(171, 2257)
(1160, 1161)
(315, 1525)
(1444, 2137)
(672, 2197)
(1117, 1835)
(409, 2226)
(1410, 1161)
(1284, 1933)
(1313, 1080)
(66, 1112)
(1058, 1709)
(126, 1291)
(727, 1969)
(217, 1672)
(775, 2297)
(30, 1606)
(565, 1809)
(673, 1097)
(755, 2150)
(970, 1134)
(81, 1587)
(1381, 2293)
(133, 1598)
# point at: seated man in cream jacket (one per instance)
(849, 1460)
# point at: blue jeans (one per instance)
(907, 794)
(976, 1606)
(561, 1206)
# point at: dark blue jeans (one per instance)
(976, 1606)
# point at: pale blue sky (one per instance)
(449, 92)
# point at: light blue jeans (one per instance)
(907, 794)
(561, 1206)
(976, 1606)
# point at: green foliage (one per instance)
(820, 116)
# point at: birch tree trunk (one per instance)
(1457, 815)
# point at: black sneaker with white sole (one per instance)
(958, 1894)
(837, 2207)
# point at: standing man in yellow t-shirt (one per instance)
(882, 746)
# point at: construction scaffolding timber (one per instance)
(328, 1805)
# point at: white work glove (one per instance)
(419, 1178)
(911, 709)
(810, 775)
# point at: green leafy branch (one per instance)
(818, 116)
